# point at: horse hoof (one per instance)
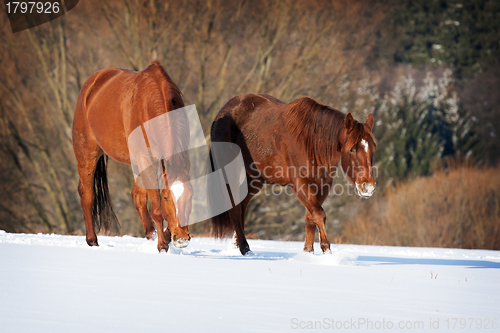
(151, 235)
(92, 242)
(327, 251)
(309, 249)
(162, 247)
(249, 253)
(245, 251)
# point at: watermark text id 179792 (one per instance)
(460, 324)
(28, 14)
(31, 7)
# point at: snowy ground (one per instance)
(54, 283)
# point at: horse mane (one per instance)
(317, 127)
(172, 97)
(168, 85)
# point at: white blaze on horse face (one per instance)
(364, 144)
(177, 189)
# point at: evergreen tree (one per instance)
(462, 34)
(418, 127)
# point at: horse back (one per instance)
(114, 102)
(255, 122)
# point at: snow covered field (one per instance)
(54, 283)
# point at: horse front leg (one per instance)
(140, 197)
(310, 231)
(319, 217)
(312, 199)
(156, 215)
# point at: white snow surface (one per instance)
(55, 283)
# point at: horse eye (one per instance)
(352, 150)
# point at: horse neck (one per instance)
(316, 127)
(179, 166)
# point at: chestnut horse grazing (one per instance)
(111, 104)
(298, 144)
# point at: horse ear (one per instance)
(349, 122)
(369, 121)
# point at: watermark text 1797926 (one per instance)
(28, 14)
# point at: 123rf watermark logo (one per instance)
(454, 324)
(28, 14)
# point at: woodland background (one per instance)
(428, 69)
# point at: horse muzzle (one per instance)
(181, 243)
(365, 190)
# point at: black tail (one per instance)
(222, 226)
(102, 212)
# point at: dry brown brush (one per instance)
(459, 208)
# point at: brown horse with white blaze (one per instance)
(298, 144)
(111, 104)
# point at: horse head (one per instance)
(176, 205)
(357, 145)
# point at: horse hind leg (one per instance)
(94, 194)
(239, 224)
(86, 171)
(232, 219)
(239, 229)
(140, 197)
